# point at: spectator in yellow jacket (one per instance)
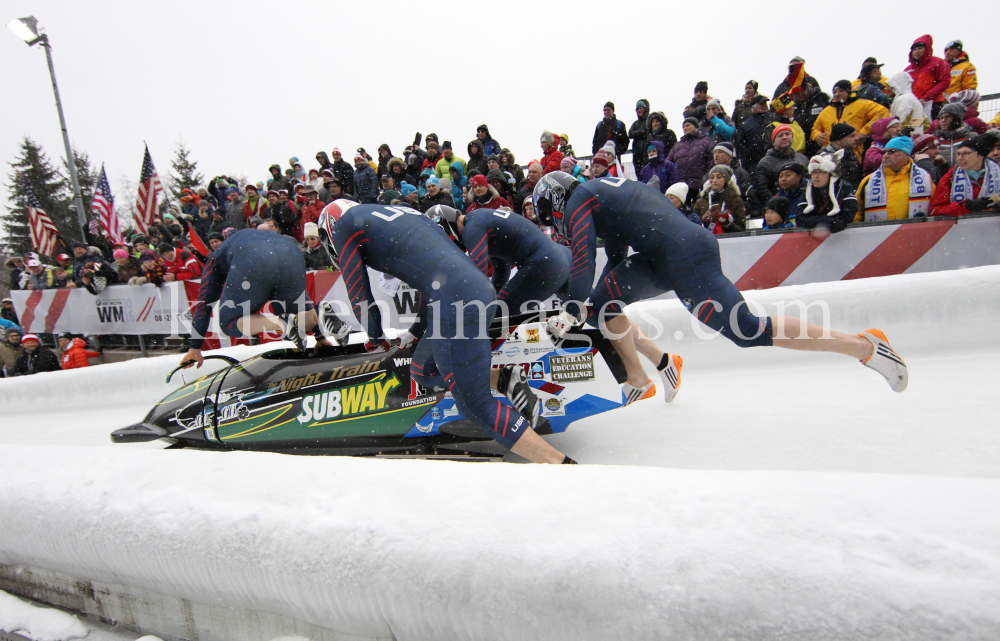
(898, 189)
(963, 72)
(847, 107)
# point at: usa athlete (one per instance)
(670, 254)
(455, 352)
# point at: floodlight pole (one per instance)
(81, 215)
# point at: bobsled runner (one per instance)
(343, 400)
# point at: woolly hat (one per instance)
(701, 86)
(79, 245)
(956, 109)
(727, 148)
(724, 170)
(165, 247)
(27, 338)
(840, 131)
(982, 145)
(779, 205)
(479, 180)
(568, 160)
(120, 253)
(216, 236)
(924, 141)
(407, 189)
(752, 83)
(967, 97)
(642, 103)
(843, 84)
(609, 149)
(148, 254)
(600, 159)
(714, 102)
(825, 163)
(902, 143)
(256, 220)
(445, 184)
(610, 104)
(693, 121)
(310, 229)
(432, 181)
(777, 130)
(678, 191)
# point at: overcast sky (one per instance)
(246, 84)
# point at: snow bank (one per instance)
(39, 624)
(431, 550)
(819, 508)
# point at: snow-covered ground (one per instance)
(782, 495)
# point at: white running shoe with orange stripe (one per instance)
(671, 376)
(885, 361)
(631, 394)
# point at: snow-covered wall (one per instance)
(237, 545)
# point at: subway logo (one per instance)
(347, 401)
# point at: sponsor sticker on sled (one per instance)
(532, 335)
(554, 407)
(566, 369)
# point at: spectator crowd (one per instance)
(877, 147)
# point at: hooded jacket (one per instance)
(638, 133)
(664, 135)
(343, 170)
(872, 90)
(718, 129)
(963, 74)
(492, 200)
(664, 170)
(873, 157)
(477, 159)
(130, 269)
(905, 105)
(551, 160)
(77, 354)
(490, 147)
(316, 257)
(731, 203)
(9, 354)
(397, 169)
(857, 112)
(15, 274)
(506, 190)
(931, 75)
(365, 184)
(280, 182)
(823, 211)
(514, 169)
(693, 157)
(383, 163)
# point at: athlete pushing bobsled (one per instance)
(671, 254)
(455, 353)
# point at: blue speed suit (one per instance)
(402, 242)
(248, 270)
(505, 239)
(671, 254)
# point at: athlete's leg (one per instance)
(794, 333)
(257, 323)
(538, 279)
(645, 346)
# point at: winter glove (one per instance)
(725, 219)
(408, 341)
(977, 205)
(376, 347)
(559, 325)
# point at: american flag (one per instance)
(149, 187)
(44, 235)
(104, 205)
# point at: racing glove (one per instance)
(559, 325)
(374, 347)
(408, 341)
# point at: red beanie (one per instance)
(479, 179)
(778, 130)
(599, 160)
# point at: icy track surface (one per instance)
(782, 495)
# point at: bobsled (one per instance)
(343, 400)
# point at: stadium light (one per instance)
(27, 30)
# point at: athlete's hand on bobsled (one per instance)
(408, 340)
(374, 347)
(193, 356)
(559, 325)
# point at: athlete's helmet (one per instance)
(447, 218)
(550, 196)
(328, 218)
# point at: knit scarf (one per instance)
(961, 184)
(877, 194)
(833, 198)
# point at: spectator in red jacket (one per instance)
(551, 156)
(931, 75)
(484, 196)
(314, 207)
(74, 352)
(178, 264)
(972, 185)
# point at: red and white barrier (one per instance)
(751, 262)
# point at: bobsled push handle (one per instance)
(229, 359)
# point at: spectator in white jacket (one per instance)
(906, 106)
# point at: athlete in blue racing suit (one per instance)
(249, 269)
(504, 239)
(671, 254)
(402, 242)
